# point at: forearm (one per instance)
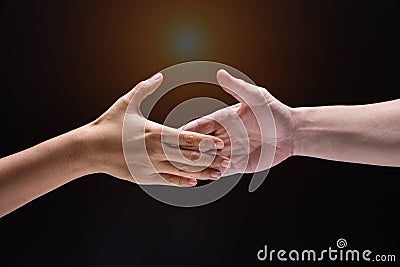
(33, 172)
(368, 134)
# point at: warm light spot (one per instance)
(186, 41)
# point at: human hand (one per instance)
(265, 147)
(152, 151)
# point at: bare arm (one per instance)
(42, 168)
(97, 147)
(368, 134)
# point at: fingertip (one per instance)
(222, 72)
(207, 144)
(229, 84)
(222, 76)
(156, 78)
(225, 163)
(215, 174)
(219, 144)
(191, 182)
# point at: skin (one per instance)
(97, 147)
(367, 134)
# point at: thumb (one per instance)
(143, 89)
(244, 92)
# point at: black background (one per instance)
(64, 63)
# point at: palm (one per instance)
(263, 147)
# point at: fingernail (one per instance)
(225, 163)
(192, 182)
(215, 174)
(220, 145)
(153, 79)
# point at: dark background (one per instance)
(65, 62)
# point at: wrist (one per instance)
(82, 150)
(299, 125)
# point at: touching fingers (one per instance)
(178, 180)
(194, 158)
(202, 125)
(190, 139)
(202, 174)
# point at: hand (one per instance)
(152, 151)
(258, 110)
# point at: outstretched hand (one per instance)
(268, 123)
(153, 152)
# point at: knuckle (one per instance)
(188, 139)
(169, 178)
(193, 155)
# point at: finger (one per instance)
(244, 92)
(144, 89)
(185, 138)
(207, 173)
(204, 125)
(195, 158)
(209, 123)
(179, 180)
